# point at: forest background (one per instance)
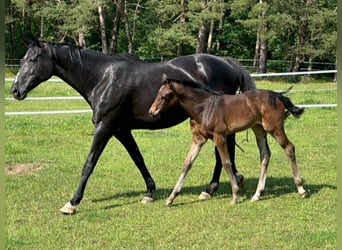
(265, 35)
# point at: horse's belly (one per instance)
(163, 120)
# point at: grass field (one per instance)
(45, 154)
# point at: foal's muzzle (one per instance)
(153, 113)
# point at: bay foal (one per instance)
(215, 115)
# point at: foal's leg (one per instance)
(265, 155)
(197, 142)
(289, 149)
(215, 181)
(221, 144)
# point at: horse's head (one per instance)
(35, 67)
(164, 99)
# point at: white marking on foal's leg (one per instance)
(68, 209)
(255, 197)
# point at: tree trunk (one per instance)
(263, 42)
(123, 13)
(115, 32)
(202, 32)
(41, 27)
(102, 27)
(81, 40)
(257, 51)
(263, 56)
(182, 24)
(210, 36)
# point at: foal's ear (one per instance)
(164, 78)
(31, 40)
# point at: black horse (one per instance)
(120, 89)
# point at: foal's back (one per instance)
(253, 107)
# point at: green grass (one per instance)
(111, 215)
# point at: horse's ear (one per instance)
(31, 40)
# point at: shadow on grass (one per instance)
(275, 187)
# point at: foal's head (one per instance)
(164, 99)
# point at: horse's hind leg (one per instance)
(289, 149)
(127, 140)
(265, 155)
(197, 142)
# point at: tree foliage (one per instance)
(297, 31)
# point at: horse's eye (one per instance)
(34, 59)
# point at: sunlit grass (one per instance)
(111, 215)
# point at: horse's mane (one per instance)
(76, 50)
(193, 84)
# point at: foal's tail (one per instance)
(291, 108)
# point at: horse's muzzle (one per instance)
(16, 93)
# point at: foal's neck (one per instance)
(196, 102)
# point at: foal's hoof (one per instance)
(303, 195)
(147, 200)
(68, 209)
(168, 203)
(204, 196)
(255, 198)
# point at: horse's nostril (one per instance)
(14, 90)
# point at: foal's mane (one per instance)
(193, 84)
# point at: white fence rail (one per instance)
(83, 111)
(60, 98)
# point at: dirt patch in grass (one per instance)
(24, 168)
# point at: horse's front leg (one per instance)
(127, 140)
(196, 144)
(215, 181)
(101, 137)
(265, 155)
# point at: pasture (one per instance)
(45, 154)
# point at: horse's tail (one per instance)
(246, 82)
(291, 108)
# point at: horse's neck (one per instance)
(69, 66)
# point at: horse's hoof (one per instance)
(68, 209)
(147, 200)
(204, 196)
